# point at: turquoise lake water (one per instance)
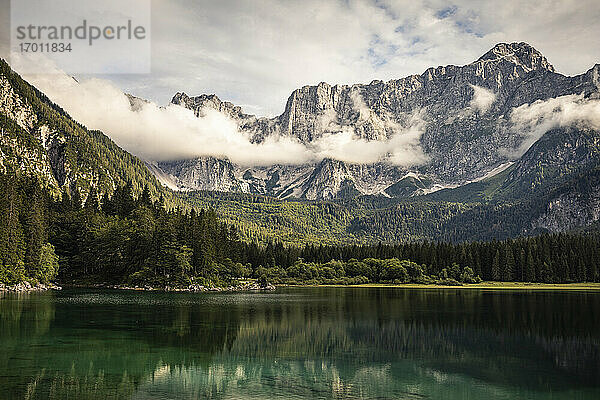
(301, 343)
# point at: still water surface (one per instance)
(301, 343)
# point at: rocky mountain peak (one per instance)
(180, 98)
(461, 114)
(212, 101)
(595, 75)
(521, 54)
(136, 103)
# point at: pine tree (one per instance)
(123, 200)
(522, 264)
(546, 273)
(35, 230)
(12, 241)
(496, 267)
(145, 197)
(509, 264)
(529, 266)
(581, 272)
(91, 203)
(76, 199)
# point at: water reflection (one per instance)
(302, 343)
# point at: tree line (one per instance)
(109, 239)
(548, 258)
(135, 239)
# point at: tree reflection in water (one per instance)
(308, 343)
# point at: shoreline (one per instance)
(245, 287)
(482, 285)
(26, 287)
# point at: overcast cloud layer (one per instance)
(254, 53)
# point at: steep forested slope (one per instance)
(39, 138)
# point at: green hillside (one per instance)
(462, 214)
(72, 156)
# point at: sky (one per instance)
(255, 53)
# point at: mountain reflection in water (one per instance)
(301, 343)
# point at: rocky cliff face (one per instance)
(570, 211)
(322, 181)
(465, 110)
(559, 153)
(205, 173)
(44, 157)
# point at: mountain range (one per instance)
(501, 147)
(472, 122)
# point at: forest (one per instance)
(480, 211)
(137, 240)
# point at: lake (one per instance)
(301, 343)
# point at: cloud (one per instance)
(387, 140)
(257, 52)
(481, 102)
(369, 121)
(533, 120)
(174, 132)
(401, 148)
(482, 99)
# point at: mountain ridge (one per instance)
(552, 186)
(40, 139)
(467, 119)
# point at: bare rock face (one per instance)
(14, 107)
(332, 179)
(44, 159)
(519, 54)
(569, 211)
(327, 179)
(465, 112)
(204, 173)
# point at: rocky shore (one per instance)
(194, 288)
(28, 287)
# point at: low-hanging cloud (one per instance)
(482, 99)
(481, 102)
(402, 148)
(398, 144)
(533, 120)
(174, 132)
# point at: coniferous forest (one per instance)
(136, 240)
